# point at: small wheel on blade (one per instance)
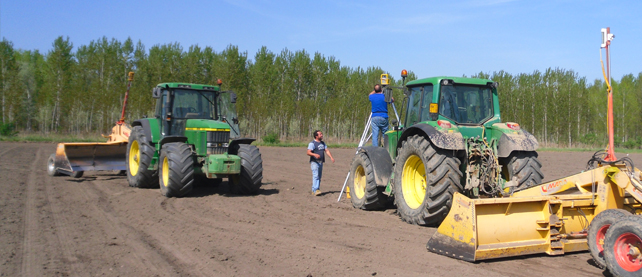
(364, 193)
(176, 169)
(597, 232)
(51, 166)
(623, 247)
(77, 174)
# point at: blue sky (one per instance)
(430, 38)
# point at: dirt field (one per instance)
(98, 225)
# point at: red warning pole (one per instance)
(610, 153)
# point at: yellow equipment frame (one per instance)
(550, 218)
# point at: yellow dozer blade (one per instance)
(80, 156)
(551, 218)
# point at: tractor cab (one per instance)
(178, 103)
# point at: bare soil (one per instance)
(98, 225)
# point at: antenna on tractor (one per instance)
(607, 37)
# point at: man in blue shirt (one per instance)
(379, 120)
(317, 150)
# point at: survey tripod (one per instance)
(366, 135)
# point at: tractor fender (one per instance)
(381, 163)
(449, 141)
(233, 147)
(522, 141)
(169, 139)
(147, 129)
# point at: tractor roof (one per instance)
(189, 86)
(460, 80)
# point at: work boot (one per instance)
(317, 193)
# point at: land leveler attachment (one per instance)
(579, 212)
(73, 158)
(551, 218)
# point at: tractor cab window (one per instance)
(190, 104)
(414, 101)
(227, 112)
(466, 103)
(419, 104)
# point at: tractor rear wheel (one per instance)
(525, 168)
(426, 178)
(51, 166)
(139, 157)
(623, 247)
(364, 193)
(176, 169)
(597, 232)
(249, 180)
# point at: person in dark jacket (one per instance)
(317, 150)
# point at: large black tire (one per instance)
(138, 157)
(622, 247)
(597, 232)
(51, 166)
(525, 168)
(249, 181)
(176, 169)
(426, 178)
(364, 193)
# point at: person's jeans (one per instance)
(317, 171)
(378, 123)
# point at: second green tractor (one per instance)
(193, 137)
(452, 139)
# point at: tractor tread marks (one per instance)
(373, 198)
(249, 181)
(181, 169)
(145, 178)
(443, 179)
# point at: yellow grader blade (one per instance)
(71, 157)
(551, 218)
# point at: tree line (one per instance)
(284, 95)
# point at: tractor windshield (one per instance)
(192, 104)
(466, 103)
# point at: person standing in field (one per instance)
(317, 150)
(379, 117)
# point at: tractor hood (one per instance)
(206, 125)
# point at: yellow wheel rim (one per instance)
(165, 171)
(359, 182)
(134, 158)
(413, 182)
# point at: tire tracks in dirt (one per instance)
(29, 266)
(143, 247)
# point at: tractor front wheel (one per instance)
(426, 178)
(139, 157)
(364, 193)
(623, 247)
(249, 180)
(597, 232)
(176, 169)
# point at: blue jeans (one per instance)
(378, 123)
(317, 172)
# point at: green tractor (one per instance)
(194, 136)
(452, 140)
